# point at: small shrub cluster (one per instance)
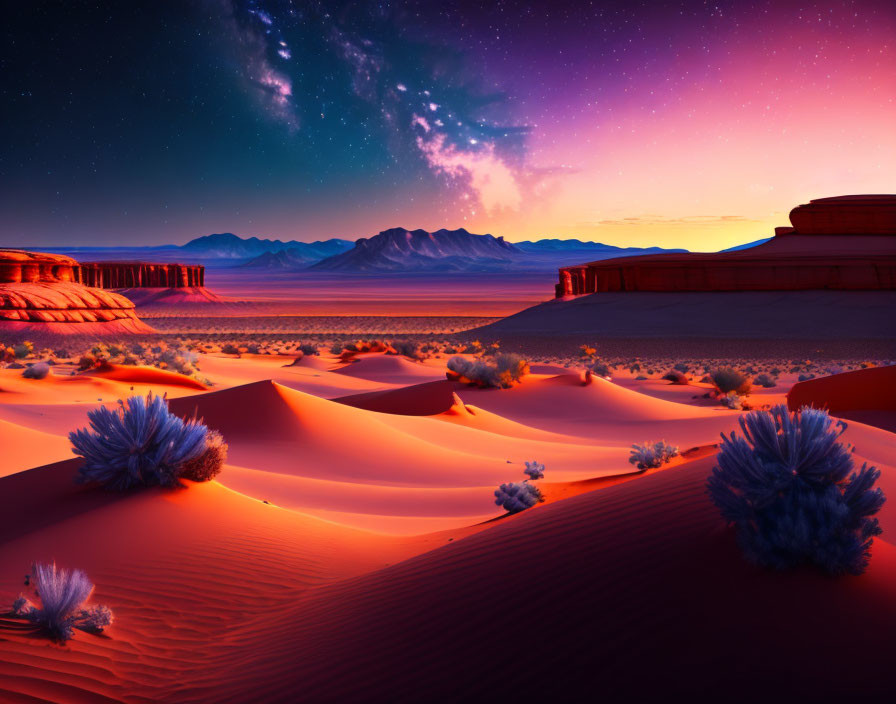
(789, 487)
(175, 358)
(503, 372)
(60, 597)
(728, 379)
(406, 348)
(143, 444)
(676, 377)
(514, 497)
(601, 369)
(732, 401)
(766, 381)
(649, 456)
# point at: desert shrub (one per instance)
(640, 377)
(600, 369)
(230, 348)
(649, 456)
(732, 400)
(40, 370)
(805, 377)
(336, 348)
(87, 361)
(61, 596)
(514, 497)
(534, 470)
(308, 348)
(682, 367)
(676, 377)
(765, 381)
(139, 444)
(207, 465)
(406, 348)
(502, 372)
(729, 379)
(789, 487)
(23, 350)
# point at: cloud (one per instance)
(660, 220)
(494, 183)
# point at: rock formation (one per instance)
(40, 292)
(140, 275)
(842, 243)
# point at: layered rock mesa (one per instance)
(840, 243)
(41, 292)
(140, 275)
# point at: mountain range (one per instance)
(401, 250)
(229, 246)
(396, 250)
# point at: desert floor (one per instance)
(351, 549)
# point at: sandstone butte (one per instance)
(55, 293)
(840, 243)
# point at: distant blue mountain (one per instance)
(229, 246)
(748, 245)
(396, 250)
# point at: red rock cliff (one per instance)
(141, 275)
(44, 288)
(844, 243)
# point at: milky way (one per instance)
(433, 111)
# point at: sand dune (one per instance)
(392, 369)
(181, 569)
(351, 549)
(368, 463)
(22, 448)
(646, 567)
(145, 375)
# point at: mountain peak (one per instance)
(400, 249)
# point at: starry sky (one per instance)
(679, 124)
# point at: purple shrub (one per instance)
(517, 496)
(790, 489)
(139, 444)
(534, 470)
(61, 595)
(39, 370)
(649, 456)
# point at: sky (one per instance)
(676, 124)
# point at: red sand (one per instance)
(381, 569)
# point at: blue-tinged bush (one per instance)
(517, 496)
(39, 370)
(141, 443)
(61, 596)
(649, 456)
(405, 348)
(732, 400)
(601, 369)
(503, 372)
(765, 381)
(789, 487)
(534, 470)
